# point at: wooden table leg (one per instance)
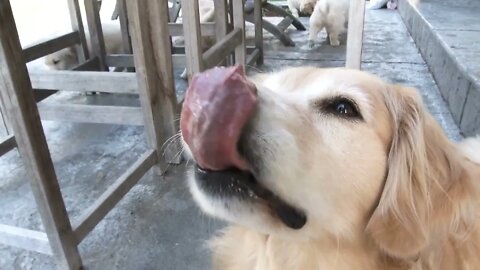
(16, 92)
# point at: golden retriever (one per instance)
(331, 15)
(367, 178)
(301, 6)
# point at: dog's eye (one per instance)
(55, 61)
(342, 107)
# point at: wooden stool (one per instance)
(154, 81)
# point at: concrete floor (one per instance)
(157, 226)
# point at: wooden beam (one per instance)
(50, 46)
(126, 60)
(253, 57)
(156, 85)
(193, 36)
(355, 34)
(100, 114)
(7, 144)
(85, 81)
(92, 11)
(222, 48)
(207, 29)
(107, 201)
(26, 239)
(123, 17)
(22, 112)
(77, 26)
(92, 64)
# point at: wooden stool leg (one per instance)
(258, 18)
(239, 23)
(77, 25)
(92, 11)
(153, 62)
(16, 92)
(356, 20)
(221, 20)
(193, 37)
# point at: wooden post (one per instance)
(193, 37)
(16, 92)
(356, 20)
(153, 62)
(77, 25)
(258, 17)
(239, 23)
(92, 11)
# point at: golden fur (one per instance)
(392, 192)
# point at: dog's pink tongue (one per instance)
(217, 106)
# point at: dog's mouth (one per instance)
(217, 107)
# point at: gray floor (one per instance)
(156, 226)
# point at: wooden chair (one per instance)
(277, 30)
(154, 84)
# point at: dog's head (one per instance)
(307, 6)
(63, 59)
(342, 153)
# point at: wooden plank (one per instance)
(222, 48)
(100, 114)
(193, 37)
(153, 63)
(107, 201)
(221, 23)
(7, 144)
(22, 111)
(356, 19)
(96, 33)
(123, 17)
(85, 81)
(207, 29)
(284, 24)
(174, 11)
(77, 26)
(26, 239)
(50, 46)
(258, 19)
(239, 23)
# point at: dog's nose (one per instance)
(217, 106)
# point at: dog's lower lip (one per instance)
(245, 182)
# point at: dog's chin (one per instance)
(238, 197)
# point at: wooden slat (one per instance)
(355, 34)
(221, 23)
(45, 48)
(193, 37)
(85, 81)
(77, 26)
(16, 92)
(222, 48)
(239, 23)
(26, 239)
(102, 206)
(156, 86)
(207, 29)
(100, 114)
(284, 24)
(258, 19)
(174, 11)
(126, 60)
(92, 11)
(7, 144)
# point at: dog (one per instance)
(331, 15)
(357, 175)
(301, 6)
(67, 58)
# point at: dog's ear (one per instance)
(424, 169)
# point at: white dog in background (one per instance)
(331, 15)
(301, 6)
